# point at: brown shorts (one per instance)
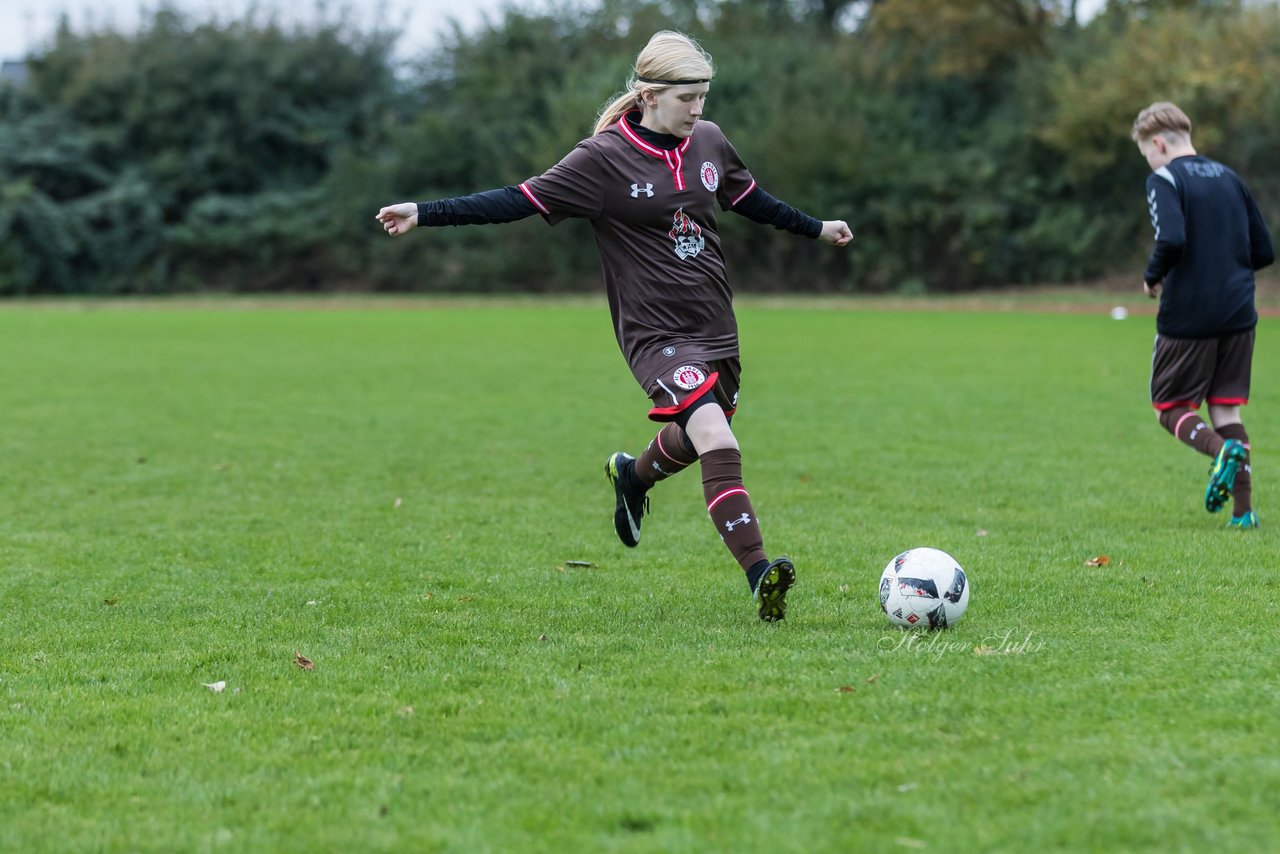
(687, 381)
(1186, 371)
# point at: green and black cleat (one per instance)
(631, 503)
(1222, 476)
(771, 591)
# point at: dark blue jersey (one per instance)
(1210, 239)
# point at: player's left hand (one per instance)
(836, 232)
(1151, 289)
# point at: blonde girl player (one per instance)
(651, 180)
(1210, 239)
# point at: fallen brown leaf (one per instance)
(1100, 560)
(845, 689)
(303, 662)
(114, 600)
(872, 678)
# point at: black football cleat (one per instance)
(631, 503)
(771, 591)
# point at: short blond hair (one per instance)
(1163, 118)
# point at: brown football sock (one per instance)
(1187, 425)
(669, 453)
(730, 506)
(1242, 494)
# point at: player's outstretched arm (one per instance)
(506, 204)
(836, 232)
(398, 219)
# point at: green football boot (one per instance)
(1244, 521)
(771, 590)
(1222, 476)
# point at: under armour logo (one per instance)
(733, 523)
(636, 190)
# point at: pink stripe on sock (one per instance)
(664, 450)
(1178, 426)
(737, 490)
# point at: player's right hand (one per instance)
(1151, 289)
(398, 219)
(835, 232)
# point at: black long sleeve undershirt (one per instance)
(765, 209)
(509, 204)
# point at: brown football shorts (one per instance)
(684, 382)
(1187, 371)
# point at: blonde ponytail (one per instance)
(618, 107)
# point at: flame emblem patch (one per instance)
(687, 235)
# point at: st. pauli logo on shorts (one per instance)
(688, 377)
(710, 176)
(687, 234)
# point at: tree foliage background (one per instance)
(970, 143)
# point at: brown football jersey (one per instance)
(654, 216)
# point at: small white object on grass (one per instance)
(215, 687)
(1119, 313)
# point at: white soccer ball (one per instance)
(924, 587)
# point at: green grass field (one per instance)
(194, 494)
